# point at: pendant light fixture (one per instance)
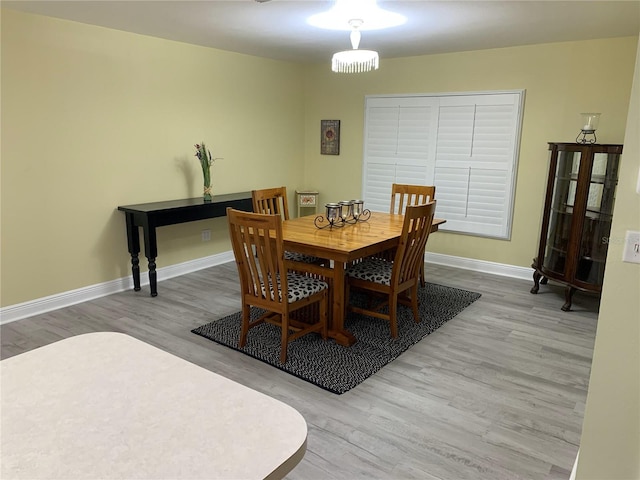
(355, 61)
(356, 15)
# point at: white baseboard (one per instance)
(72, 297)
(575, 467)
(523, 273)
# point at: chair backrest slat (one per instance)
(404, 195)
(271, 201)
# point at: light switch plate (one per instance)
(631, 247)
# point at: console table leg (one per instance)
(568, 295)
(153, 277)
(133, 244)
(135, 271)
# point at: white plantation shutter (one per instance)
(464, 144)
(378, 189)
(475, 163)
(472, 200)
(399, 146)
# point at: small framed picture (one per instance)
(330, 137)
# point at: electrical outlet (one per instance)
(631, 247)
(206, 235)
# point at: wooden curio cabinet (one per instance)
(577, 217)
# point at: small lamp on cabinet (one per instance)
(589, 122)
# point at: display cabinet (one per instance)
(577, 217)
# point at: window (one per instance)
(464, 144)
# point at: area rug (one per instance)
(334, 367)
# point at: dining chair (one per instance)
(274, 201)
(403, 195)
(266, 281)
(271, 201)
(394, 279)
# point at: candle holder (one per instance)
(341, 213)
(360, 214)
(346, 210)
(589, 125)
(333, 211)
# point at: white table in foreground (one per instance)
(108, 406)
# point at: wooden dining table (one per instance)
(342, 245)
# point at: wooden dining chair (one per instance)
(403, 195)
(274, 201)
(271, 201)
(394, 279)
(266, 282)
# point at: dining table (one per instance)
(340, 245)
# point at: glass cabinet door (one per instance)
(561, 214)
(598, 215)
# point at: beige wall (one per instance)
(94, 118)
(561, 80)
(610, 445)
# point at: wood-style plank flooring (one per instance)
(496, 393)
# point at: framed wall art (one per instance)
(330, 137)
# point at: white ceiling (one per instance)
(278, 29)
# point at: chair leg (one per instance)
(246, 311)
(323, 315)
(422, 280)
(393, 315)
(414, 302)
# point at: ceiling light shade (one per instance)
(367, 11)
(355, 61)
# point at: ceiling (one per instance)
(277, 28)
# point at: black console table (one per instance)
(158, 214)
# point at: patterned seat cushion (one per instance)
(300, 286)
(377, 270)
(300, 257)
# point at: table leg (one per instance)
(153, 277)
(151, 252)
(337, 330)
(133, 244)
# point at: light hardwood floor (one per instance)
(496, 393)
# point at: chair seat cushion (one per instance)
(300, 286)
(300, 257)
(376, 270)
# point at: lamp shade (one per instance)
(355, 61)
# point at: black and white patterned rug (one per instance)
(334, 367)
